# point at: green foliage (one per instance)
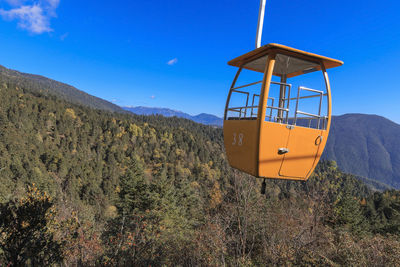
(349, 214)
(25, 231)
(133, 195)
(383, 212)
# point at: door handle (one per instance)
(318, 141)
(283, 150)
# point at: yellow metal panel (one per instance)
(240, 138)
(263, 153)
(324, 135)
(303, 146)
(274, 136)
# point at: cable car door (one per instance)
(305, 138)
(301, 151)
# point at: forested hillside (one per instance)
(366, 145)
(85, 187)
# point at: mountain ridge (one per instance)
(41, 84)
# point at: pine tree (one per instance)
(133, 195)
(349, 214)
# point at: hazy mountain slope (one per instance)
(366, 145)
(37, 83)
(166, 112)
(208, 119)
(203, 118)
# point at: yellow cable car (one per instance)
(277, 125)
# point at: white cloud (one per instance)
(15, 2)
(32, 16)
(51, 6)
(172, 61)
(153, 97)
(53, 3)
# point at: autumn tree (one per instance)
(25, 230)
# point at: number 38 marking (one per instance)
(235, 137)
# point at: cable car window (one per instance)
(297, 94)
(245, 96)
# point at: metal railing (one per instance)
(242, 110)
(252, 103)
(283, 102)
(247, 100)
(246, 85)
(283, 110)
(319, 94)
(323, 119)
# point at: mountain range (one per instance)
(203, 118)
(365, 145)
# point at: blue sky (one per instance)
(120, 50)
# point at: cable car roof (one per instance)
(301, 62)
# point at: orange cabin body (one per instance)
(277, 127)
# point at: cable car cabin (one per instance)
(278, 112)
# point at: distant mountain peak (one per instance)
(203, 118)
